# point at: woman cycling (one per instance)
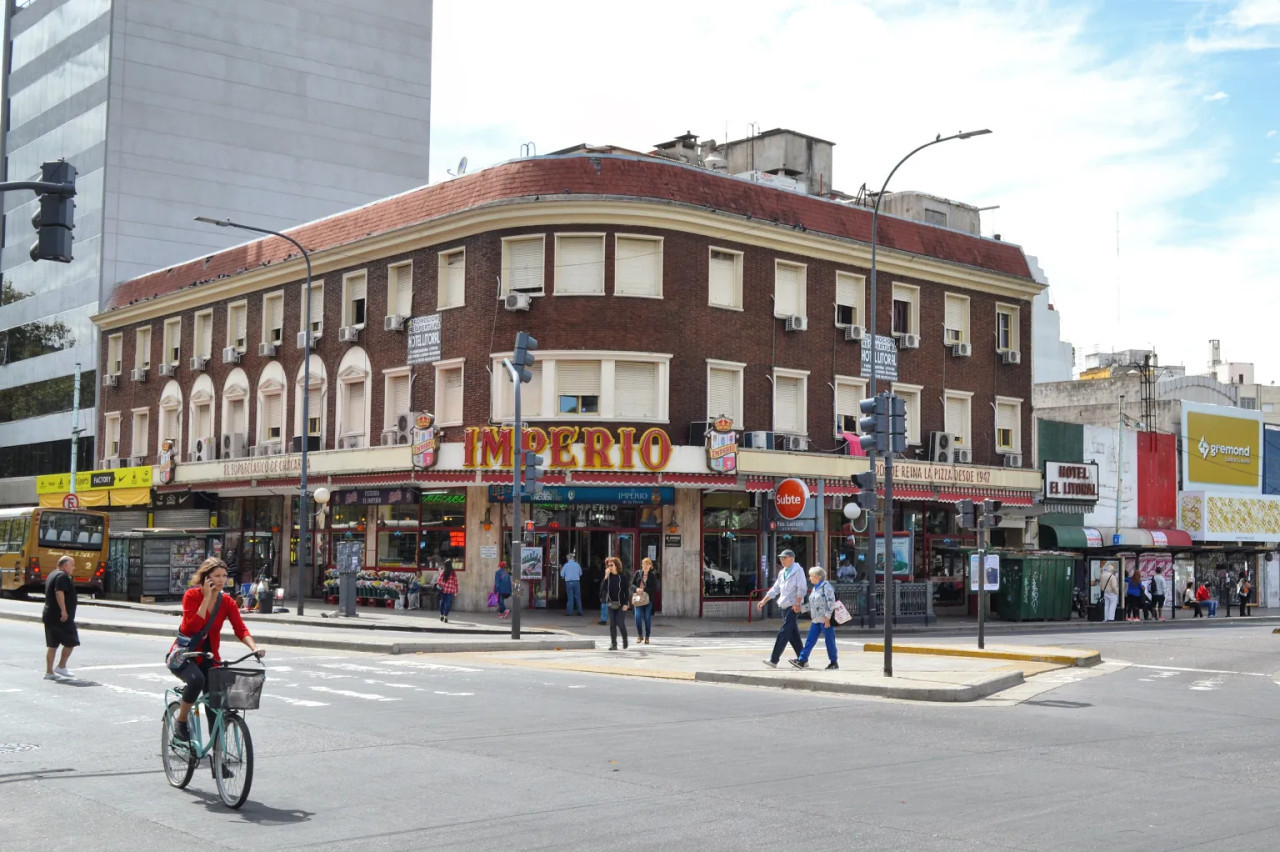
(197, 603)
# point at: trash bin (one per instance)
(266, 598)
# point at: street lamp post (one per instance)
(871, 455)
(304, 550)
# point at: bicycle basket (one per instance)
(235, 689)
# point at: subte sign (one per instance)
(791, 498)
(885, 352)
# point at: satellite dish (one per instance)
(462, 168)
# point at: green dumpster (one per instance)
(1034, 586)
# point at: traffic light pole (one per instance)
(982, 583)
(888, 561)
(517, 496)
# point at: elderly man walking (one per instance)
(59, 617)
(790, 589)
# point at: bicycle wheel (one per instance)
(179, 763)
(233, 761)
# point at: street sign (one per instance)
(791, 498)
(424, 339)
(886, 355)
(71, 501)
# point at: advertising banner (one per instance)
(1222, 448)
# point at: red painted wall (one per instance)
(1157, 480)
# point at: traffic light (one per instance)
(866, 485)
(532, 469)
(991, 513)
(522, 360)
(966, 515)
(528, 532)
(873, 425)
(55, 218)
(897, 424)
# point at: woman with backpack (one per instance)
(822, 605)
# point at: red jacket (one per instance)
(192, 623)
(449, 586)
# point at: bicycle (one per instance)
(230, 748)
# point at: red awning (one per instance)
(838, 487)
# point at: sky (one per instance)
(1135, 148)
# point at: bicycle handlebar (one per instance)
(195, 655)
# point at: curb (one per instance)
(287, 641)
(1084, 659)
(983, 688)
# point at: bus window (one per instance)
(4, 535)
(71, 531)
(18, 534)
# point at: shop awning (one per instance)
(1063, 537)
(839, 487)
(955, 495)
(101, 498)
(1134, 537)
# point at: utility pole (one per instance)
(75, 427)
(525, 466)
(1115, 538)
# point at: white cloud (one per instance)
(1079, 134)
(1249, 25)
(1271, 134)
(1218, 96)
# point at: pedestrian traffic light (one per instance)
(522, 360)
(897, 424)
(55, 218)
(866, 485)
(966, 516)
(532, 469)
(873, 425)
(991, 513)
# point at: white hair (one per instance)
(819, 570)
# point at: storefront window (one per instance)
(730, 545)
(230, 513)
(729, 511)
(443, 537)
(348, 519)
(398, 536)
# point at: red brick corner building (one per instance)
(663, 297)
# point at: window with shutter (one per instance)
(906, 309)
(115, 344)
(272, 417)
(849, 289)
(1008, 415)
(173, 341)
(317, 310)
(788, 402)
(204, 420)
(204, 334)
(142, 352)
(141, 425)
(355, 298)
(353, 410)
(579, 265)
(237, 422)
(956, 415)
(724, 394)
(522, 265)
(451, 291)
(315, 411)
(725, 284)
(637, 267)
(169, 424)
(788, 289)
(237, 319)
(453, 396)
(956, 318)
(396, 399)
(848, 394)
(273, 318)
(636, 389)
(911, 401)
(112, 448)
(578, 386)
(1006, 328)
(400, 289)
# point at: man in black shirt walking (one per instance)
(59, 618)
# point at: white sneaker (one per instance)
(62, 672)
(50, 676)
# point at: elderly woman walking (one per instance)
(822, 604)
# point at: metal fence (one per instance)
(913, 602)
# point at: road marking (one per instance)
(437, 667)
(1200, 671)
(367, 696)
(1207, 684)
(455, 694)
(296, 702)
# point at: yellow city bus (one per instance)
(32, 540)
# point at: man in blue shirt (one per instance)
(571, 573)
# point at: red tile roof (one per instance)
(588, 175)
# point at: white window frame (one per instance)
(170, 407)
(859, 283)
(115, 354)
(145, 415)
(657, 242)
(111, 434)
(242, 308)
(737, 279)
(802, 288)
(963, 438)
(317, 324)
(912, 293)
(393, 295)
(141, 349)
(204, 335)
(264, 428)
(1014, 313)
(172, 340)
(345, 429)
(507, 243)
(442, 264)
(389, 415)
(963, 337)
(267, 300)
(441, 369)
(911, 397)
(598, 283)
(349, 303)
(731, 367)
(1015, 446)
(859, 389)
(549, 397)
(802, 427)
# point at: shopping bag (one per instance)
(493, 599)
(840, 613)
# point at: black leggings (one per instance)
(1132, 606)
(195, 675)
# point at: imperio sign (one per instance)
(570, 448)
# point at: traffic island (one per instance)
(1077, 657)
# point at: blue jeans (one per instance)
(788, 634)
(604, 613)
(573, 590)
(644, 621)
(502, 603)
(446, 603)
(815, 630)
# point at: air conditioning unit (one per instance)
(267, 350)
(797, 323)
(908, 341)
(854, 332)
(268, 448)
(941, 445)
(235, 445)
(167, 370)
(795, 443)
(110, 380)
(962, 350)
(963, 455)
(351, 442)
(198, 362)
(1011, 357)
(395, 322)
(349, 333)
(1013, 460)
(302, 338)
(313, 444)
(139, 375)
(231, 355)
(110, 463)
(205, 449)
(389, 437)
(517, 301)
(137, 461)
(757, 440)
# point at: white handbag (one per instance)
(840, 613)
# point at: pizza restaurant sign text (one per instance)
(918, 472)
(570, 448)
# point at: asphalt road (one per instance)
(361, 752)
